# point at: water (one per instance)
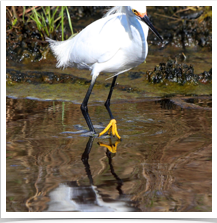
(163, 163)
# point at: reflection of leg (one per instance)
(112, 126)
(84, 108)
(120, 182)
(85, 157)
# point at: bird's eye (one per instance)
(134, 11)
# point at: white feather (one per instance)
(61, 50)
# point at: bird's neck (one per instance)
(124, 9)
(129, 18)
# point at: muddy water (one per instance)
(163, 162)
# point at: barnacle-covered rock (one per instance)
(172, 71)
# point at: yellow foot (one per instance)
(112, 147)
(111, 127)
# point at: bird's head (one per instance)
(142, 15)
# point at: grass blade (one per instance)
(69, 19)
(55, 12)
(45, 25)
(62, 22)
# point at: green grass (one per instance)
(47, 21)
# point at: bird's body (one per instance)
(111, 44)
(114, 44)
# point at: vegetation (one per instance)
(27, 28)
(48, 19)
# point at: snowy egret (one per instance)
(114, 44)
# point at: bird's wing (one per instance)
(99, 41)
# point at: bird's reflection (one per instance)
(111, 149)
(73, 197)
(119, 181)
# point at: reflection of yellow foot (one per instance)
(111, 127)
(112, 147)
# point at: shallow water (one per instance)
(163, 163)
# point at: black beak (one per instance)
(148, 23)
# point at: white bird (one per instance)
(114, 44)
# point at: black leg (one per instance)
(107, 103)
(112, 126)
(84, 108)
